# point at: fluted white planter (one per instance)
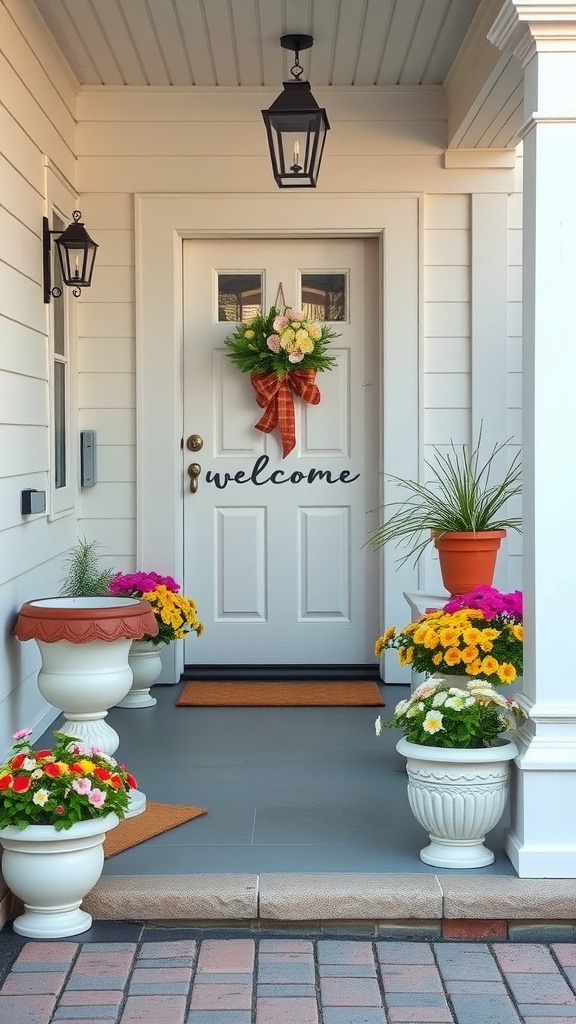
(146, 665)
(458, 796)
(52, 872)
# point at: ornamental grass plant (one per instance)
(440, 715)
(461, 497)
(175, 614)
(62, 785)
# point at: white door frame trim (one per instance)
(161, 222)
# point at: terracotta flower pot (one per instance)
(468, 560)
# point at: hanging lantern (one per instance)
(76, 253)
(296, 126)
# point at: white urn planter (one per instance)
(84, 644)
(458, 796)
(146, 665)
(52, 872)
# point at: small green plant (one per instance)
(460, 498)
(83, 576)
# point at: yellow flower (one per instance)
(452, 656)
(409, 655)
(517, 631)
(491, 634)
(86, 766)
(437, 658)
(448, 636)
(421, 634)
(469, 654)
(389, 633)
(471, 635)
(474, 668)
(489, 665)
(249, 334)
(432, 640)
(506, 673)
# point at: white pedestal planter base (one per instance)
(146, 665)
(52, 872)
(136, 803)
(458, 796)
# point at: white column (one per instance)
(542, 839)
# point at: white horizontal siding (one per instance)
(37, 123)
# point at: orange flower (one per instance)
(469, 654)
(489, 665)
(452, 656)
(507, 673)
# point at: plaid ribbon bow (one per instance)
(274, 394)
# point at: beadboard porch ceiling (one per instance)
(231, 43)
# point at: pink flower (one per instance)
(296, 316)
(82, 786)
(97, 798)
(21, 734)
(280, 323)
(135, 584)
(273, 342)
(296, 357)
(490, 601)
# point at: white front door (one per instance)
(274, 548)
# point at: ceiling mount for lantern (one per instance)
(76, 252)
(295, 125)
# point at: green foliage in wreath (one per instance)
(280, 341)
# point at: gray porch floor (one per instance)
(302, 790)
(308, 821)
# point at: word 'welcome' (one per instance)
(278, 476)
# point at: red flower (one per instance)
(115, 781)
(18, 761)
(102, 773)
(21, 784)
(77, 768)
(131, 781)
(59, 809)
(40, 754)
(52, 770)
(5, 781)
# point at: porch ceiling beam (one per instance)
(484, 89)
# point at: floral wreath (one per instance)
(282, 351)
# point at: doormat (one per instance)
(324, 694)
(157, 818)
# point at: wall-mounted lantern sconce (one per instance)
(296, 126)
(76, 252)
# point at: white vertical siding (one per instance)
(37, 121)
(514, 361)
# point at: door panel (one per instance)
(274, 549)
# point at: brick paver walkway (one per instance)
(289, 981)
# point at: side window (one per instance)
(60, 457)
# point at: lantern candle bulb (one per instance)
(296, 157)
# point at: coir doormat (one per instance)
(157, 818)
(313, 694)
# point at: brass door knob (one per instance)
(194, 443)
(194, 470)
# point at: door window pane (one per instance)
(324, 296)
(239, 296)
